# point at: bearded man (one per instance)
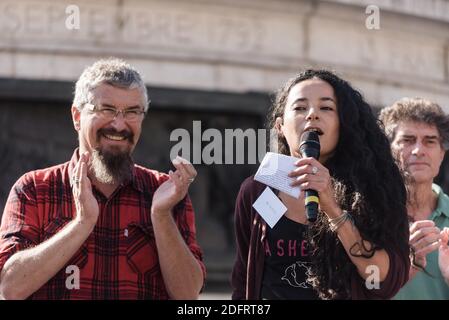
(100, 226)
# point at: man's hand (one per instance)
(443, 254)
(180, 269)
(175, 188)
(424, 238)
(28, 270)
(87, 209)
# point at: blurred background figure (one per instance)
(419, 133)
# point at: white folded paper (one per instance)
(269, 207)
(274, 170)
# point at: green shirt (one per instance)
(422, 286)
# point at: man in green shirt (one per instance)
(419, 134)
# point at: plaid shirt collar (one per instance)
(134, 182)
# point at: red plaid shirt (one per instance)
(119, 260)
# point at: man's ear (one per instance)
(76, 117)
(278, 125)
(443, 152)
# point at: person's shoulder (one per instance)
(445, 197)
(440, 192)
(44, 175)
(251, 186)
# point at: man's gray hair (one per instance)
(415, 110)
(112, 71)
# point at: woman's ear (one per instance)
(278, 125)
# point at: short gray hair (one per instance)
(112, 71)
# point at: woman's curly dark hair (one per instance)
(367, 183)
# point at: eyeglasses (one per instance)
(109, 113)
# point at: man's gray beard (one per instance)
(110, 167)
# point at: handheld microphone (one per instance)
(310, 147)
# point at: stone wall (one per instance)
(235, 45)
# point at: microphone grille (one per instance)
(310, 136)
